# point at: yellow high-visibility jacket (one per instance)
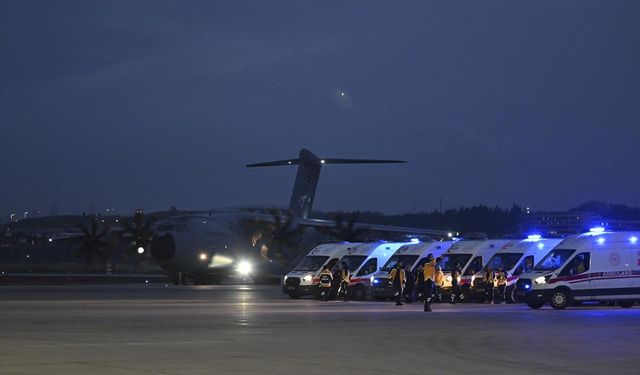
(429, 270)
(439, 278)
(489, 277)
(346, 276)
(400, 275)
(501, 278)
(326, 284)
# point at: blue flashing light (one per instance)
(415, 240)
(534, 237)
(633, 240)
(601, 240)
(596, 230)
(527, 286)
(540, 246)
(376, 281)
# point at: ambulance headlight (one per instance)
(540, 280)
(449, 279)
(285, 278)
(203, 256)
(371, 279)
(307, 278)
(244, 268)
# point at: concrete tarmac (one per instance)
(247, 329)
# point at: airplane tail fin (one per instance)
(309, 165)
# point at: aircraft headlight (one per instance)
(244, 268)
(307, 278)
(540, 280)
(202, 256)
(141, 250)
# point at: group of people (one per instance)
(492, 279)
(426, 282)
(334, 285)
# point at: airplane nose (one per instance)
(163, 247)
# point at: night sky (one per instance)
(154, 104)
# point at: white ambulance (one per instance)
(304, 278)
(515, 261)
(594, 266)
(412, 255)
(472, 256)
(363, 261)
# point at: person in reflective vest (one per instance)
(398, 280)
(409, 284)
(489, 280)
(345, 276)
(419, 283)
(439, 281)
(325, 283)
(501, 280)
(429, 275)
(456, 292)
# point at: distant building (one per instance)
(572, 222)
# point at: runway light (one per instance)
(633, 239)
(203, 256)
(600, 240)
(244, 268)
(141, 250)
(596, 230)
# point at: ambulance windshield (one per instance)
(505, 260)
(448, 262)
(406, 260)
(311, 263)
(352, 261)
(554, 260)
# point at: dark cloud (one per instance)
(153, 104)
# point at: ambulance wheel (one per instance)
(535, 304)
(560, 298)
(625, 304)
(294, 296)
(358, 293)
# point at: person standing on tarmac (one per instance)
(419, 284)
(345, 276)
(335, 283)
(439, 282)
(501, 280)
(456, 292)
(429, 275)
(489, 280)
(398, 280)
(325, 283)
(410, 284)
